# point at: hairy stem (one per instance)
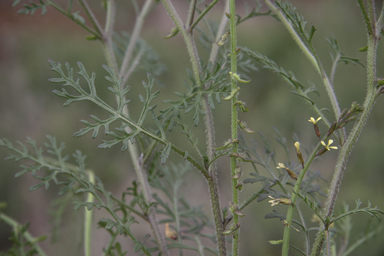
(235, 191)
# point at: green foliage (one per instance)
(215, 78)
(289, 77)
(121, 136)
(32, 7)
(297, 21)
(21, 246)
(71, 178)
(374, 212)
(156, 196)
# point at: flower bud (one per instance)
(232, 229)
(238, 172)
(233, 94)
(299, 155)
(237, 78)
(173, 33)
(223, 39)
(243, 125)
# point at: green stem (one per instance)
(90, 15)
(368, 22)
(202, 14)
(187, 39)
(220, 32)
(88, 219)
(107, 34)
(191, 14)
(287, 233)
(133, 40)
(70, 16)
(235, 191)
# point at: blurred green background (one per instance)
(28, 108)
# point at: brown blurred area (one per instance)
(28, 108)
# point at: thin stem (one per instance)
(133, 40)
(107, 34)
(15, 225)
(380, 22)
(176, 213)
(235, 191)
(191, 14)
(187, 39)
(88, 219)
(333, 70)
(286, 236)
(220, 32)
(202, 14)
(90, 15)
(367, 20)
(70, 16)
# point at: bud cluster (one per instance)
(346, 116)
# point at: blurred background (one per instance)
(28, 108)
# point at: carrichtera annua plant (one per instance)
(155, 199)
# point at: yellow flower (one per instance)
(299, 155)
(291, 173)
(170, 233)
(328, 147)
(276, 201)
(312, 120)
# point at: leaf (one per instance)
(78, 17)
(96, 126)
(32, 7)
(374, 212)
(276, 214)
(313, 206)
(165, 153)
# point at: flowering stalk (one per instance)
(287, 231)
